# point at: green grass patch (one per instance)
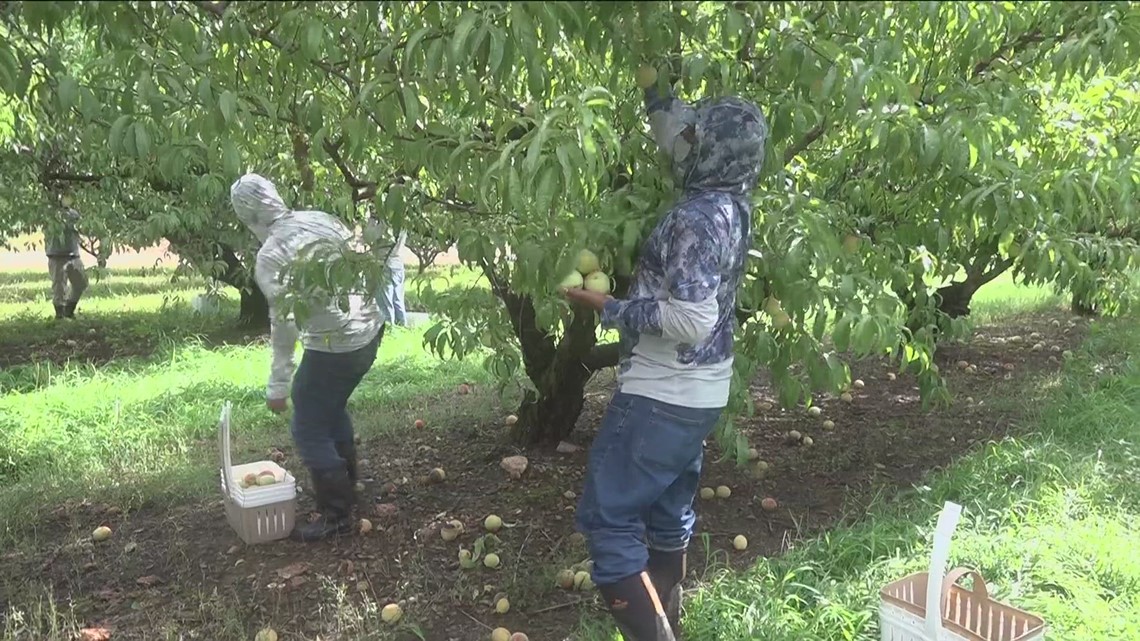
(1006, 298)
(131, 421)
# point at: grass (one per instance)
(1004, 299)
(1051, 519)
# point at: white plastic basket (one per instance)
(258, 513)
(910, 607)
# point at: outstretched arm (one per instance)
(692, 276)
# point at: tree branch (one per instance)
(601, 357)
(1026, 38)
(814, 134)
(537, 348)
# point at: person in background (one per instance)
(675, 369)
(391, 296)
(340, 348)
(64, 265)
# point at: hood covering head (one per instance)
(716, 145)
(257, 204)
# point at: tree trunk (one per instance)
(559, 371)
(254, 310)
(549, 416)
(1081, 304)
(954, 300)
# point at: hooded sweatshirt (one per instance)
(677, 324)
(285, 234)
(65, 242)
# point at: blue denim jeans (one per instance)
(321, 387)
(643, 473)
(391, 297)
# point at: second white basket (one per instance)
(931, 606)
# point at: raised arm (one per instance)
(670, 119)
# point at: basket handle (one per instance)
(224, 444)
(943, 532)
(955, 575)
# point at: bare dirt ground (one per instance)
(163, 564)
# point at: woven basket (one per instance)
(909, 607)
(259, 513)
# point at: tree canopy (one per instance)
(917, 150)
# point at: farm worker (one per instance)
(676, 330)
(340, 347)
(391, 295)
(64, 265)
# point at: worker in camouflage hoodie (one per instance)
(64, 265)
(340, 347)
(676, 366)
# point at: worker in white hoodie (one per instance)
(340, 347)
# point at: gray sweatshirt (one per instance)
(65, 242)
(284, 233)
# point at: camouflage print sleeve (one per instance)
(692, 276)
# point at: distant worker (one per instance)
(391, 295)
(340, 347)
(64, 265)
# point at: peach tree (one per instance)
(917, 151)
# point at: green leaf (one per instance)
(314, 34)
(563, 152)
(841, 335)
(498, 39)
(228, 104)
(931, 145)
(142, 141)
(412, 106)
(115, 136)
(829, 80)
(231, 158)
(462, 31)
(68, 92)
(413, 45)
(547, 186)
(205, 91)
(534, 151)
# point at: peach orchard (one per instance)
(918, 151)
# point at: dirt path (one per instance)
(162, 563)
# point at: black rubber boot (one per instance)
(334, 494)
(634, 604)
(59, 313)
(347, 451)
(667, 569)
(69, 310)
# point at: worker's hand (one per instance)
(277, 405)
(593, 300)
